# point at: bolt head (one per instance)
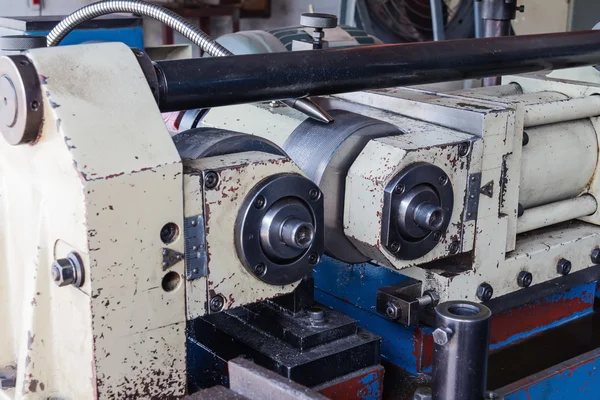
(454, 247)
(422, 393)
(399, 189)
(443, 180)
(63, 272)
(441, 336)
(463, 149)
(260, 269)
(260, 202)
(595, 256)
(217, 303)
(313, 258)
(485, 291)
(524, 279)
(314, 194)
(392, 311)
(437, 235)
(211, 179)
(395, 247)
(563, 267)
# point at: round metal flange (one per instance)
(21, 103)
(22, 42)
(418, 205)
(279, 231)
(319, 21)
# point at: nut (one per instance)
(392, 311)
(524, 279)
(563, 267)
(63, 272)
(441, 336)
(485, 291)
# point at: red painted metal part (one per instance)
(363, 384)
(510, 323)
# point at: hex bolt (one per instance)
(392, 311)
(217, 303)
(463, 149)
(563, 266)
(485, 291)
(524, 279)
(454, 247)
(67, 271)
(211, 179)
(595, 256)
(441, 336)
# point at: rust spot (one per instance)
(33, 386)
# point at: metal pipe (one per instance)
(437, 20)
(557, 162)
(478, 19)
(555, 213)
(212, 82)
(460, 356)
(562, 110)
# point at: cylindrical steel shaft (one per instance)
(211, 82)
(461, 343)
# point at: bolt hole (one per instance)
(169, 233)
(5, 101)
(171, 281)
(24, 62)
(34, 105)
(463, 310)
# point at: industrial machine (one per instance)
(318, 227)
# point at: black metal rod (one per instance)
(211, 82)
(460, 356)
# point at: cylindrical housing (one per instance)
(562, 110)
(554, 213)
(558, 162)
(460, 355)
(211, 82)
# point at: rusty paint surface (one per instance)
(366, 384)
(423, 344)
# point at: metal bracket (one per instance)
(473, 190)
(488, 189)
(400, 301)
(170, 258)
(195, 248)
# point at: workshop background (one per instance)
(542, 16)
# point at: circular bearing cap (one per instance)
(21, 103)
(319, 21)
(417, 210)
(279, 231)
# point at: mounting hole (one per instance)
(24, 62)
(463, 310)
(171, 281)
(34, 105)
(169, 233)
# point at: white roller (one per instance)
(562, 110)
(554, 213)
(558, 162)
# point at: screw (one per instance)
(274, 104)
(443, 180)
(563, 267)
(165, 264)
(211, 179)
(217, 303)
(595, 256)
(437, 235)
(314, 194)
(399, 189)
(463, 149)
(35, 105)
(392, 311)
(525, 139)
(195, 270)
(485, 291)
(521, 8)
(395, 247)
(441, 336)
(194, 248)
(524, 279)
(520, 210)
(313, 258)
(165, 252)
(260, 202)
(260, 269)
(454, 247)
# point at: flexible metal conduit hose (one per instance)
(167, 17)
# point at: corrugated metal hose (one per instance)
(167, 17)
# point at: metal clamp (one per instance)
(403, 301)
(196, 260)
